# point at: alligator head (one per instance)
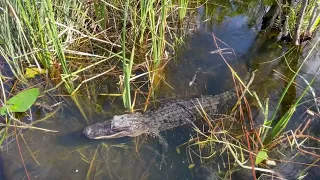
(126, 125)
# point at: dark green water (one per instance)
(69, 155)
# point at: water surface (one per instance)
(69, 155)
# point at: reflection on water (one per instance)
(69, 155)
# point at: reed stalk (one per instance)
(126, 96)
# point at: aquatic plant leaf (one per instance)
(21, 102)
(262, 155)
(31, 72)
(191, 166)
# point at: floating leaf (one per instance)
(21, 102)
(191, 166)
(262, 155)
(178, 150)
(31, 72)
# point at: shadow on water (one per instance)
(69, 155)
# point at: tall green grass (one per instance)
(273, 127)
(145, 26)
(284, 120)
(183, 5)
(46, 33)
(32, 35)
(127, 66)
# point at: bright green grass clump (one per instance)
(53, 35)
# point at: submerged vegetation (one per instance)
(71, 46)
(264, 147)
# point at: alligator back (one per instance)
(167, 116)
(179, 112)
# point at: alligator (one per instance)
(168, 115)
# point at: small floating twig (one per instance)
(27, 127)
